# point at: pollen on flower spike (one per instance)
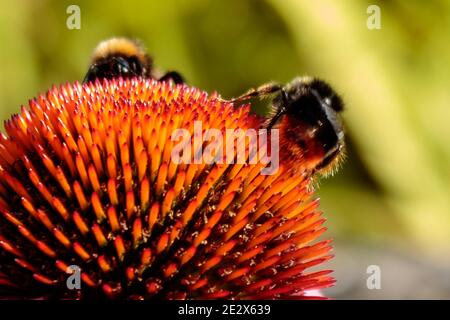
(87, 179)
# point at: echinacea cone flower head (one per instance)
(87, 182)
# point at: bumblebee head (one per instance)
(119, 57)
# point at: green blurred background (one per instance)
(389, 205)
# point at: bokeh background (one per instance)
(389, 204)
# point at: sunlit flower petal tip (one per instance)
(87, 180)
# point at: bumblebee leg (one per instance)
(91, 75)
(173, 76)
(262, 91)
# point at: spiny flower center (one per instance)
(87, 180)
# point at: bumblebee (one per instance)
(307, 113)
(126, 58)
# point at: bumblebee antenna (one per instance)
(281, 110)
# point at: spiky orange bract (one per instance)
(86, 179)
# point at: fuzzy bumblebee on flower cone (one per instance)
(143, 187)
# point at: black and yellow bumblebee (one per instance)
(307, 113)
(126, 58)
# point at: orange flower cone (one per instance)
(86, 179)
